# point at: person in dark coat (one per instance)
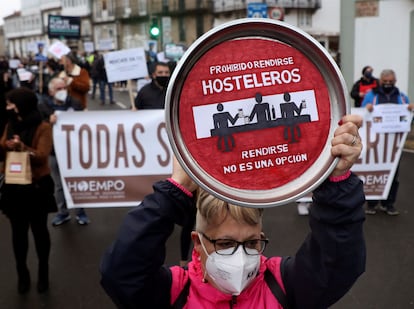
(363, 85)
(27, 206)
(228, 267)
(152, 95)
(58, 99)
(6, 84)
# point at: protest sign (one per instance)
(125, 64)
(251, 109)
(111, 159)
(390, 118)
(88, 46)
(58, 49)
(14, 63)
(24, 75)
(121, 153)
(380, 156)
(105, 44)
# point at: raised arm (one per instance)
(132, 269)
(333, 255)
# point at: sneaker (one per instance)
(370, 211)
(391, 211)
(383, 208)
(60, 218)
(82, 218)
(303, 208)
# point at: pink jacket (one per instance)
(204, 295)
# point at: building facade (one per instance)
(379, 33)
(121, 24)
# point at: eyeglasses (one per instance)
(229, 246)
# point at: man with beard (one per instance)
(386, 93)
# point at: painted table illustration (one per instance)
(266, 118)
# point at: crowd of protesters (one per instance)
(65, 84)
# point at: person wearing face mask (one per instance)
(152, 95)
(58, 99)
(76, 78)
(387, 92)
(27, 206)
(362, 86)
(6, 84)
(228, 267)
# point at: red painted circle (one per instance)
(254, 155)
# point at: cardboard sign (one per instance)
(391, 117)
(251, 111)
(125, 64)
(58, 49)
(24, 75)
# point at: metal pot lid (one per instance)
(251, 109)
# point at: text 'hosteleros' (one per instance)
(272, 75)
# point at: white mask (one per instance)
(232, 273)
(61, 95)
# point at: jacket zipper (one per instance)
(233, 301)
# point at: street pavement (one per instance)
(76, 251)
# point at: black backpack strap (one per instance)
(270, 281)
(275, 288)
(182, 298)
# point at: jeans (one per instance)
(102, 85)
(59, 194)
(94, 84)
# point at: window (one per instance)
(304, 18)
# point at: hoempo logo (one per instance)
(96, 186)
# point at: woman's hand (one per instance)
(181, 177)
(346, 143)
(53, 118)
(14, 143)
(369, 107)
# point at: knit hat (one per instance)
(24, 99)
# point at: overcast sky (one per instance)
(8, 7)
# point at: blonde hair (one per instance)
(212, 211)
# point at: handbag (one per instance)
(18, 169)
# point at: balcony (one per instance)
(141, 10)
(233, 5)
(296, 4)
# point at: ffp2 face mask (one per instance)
(232, 273)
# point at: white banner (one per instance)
(380, 156)
(111, 159)
(125, 64)
(387, 118)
